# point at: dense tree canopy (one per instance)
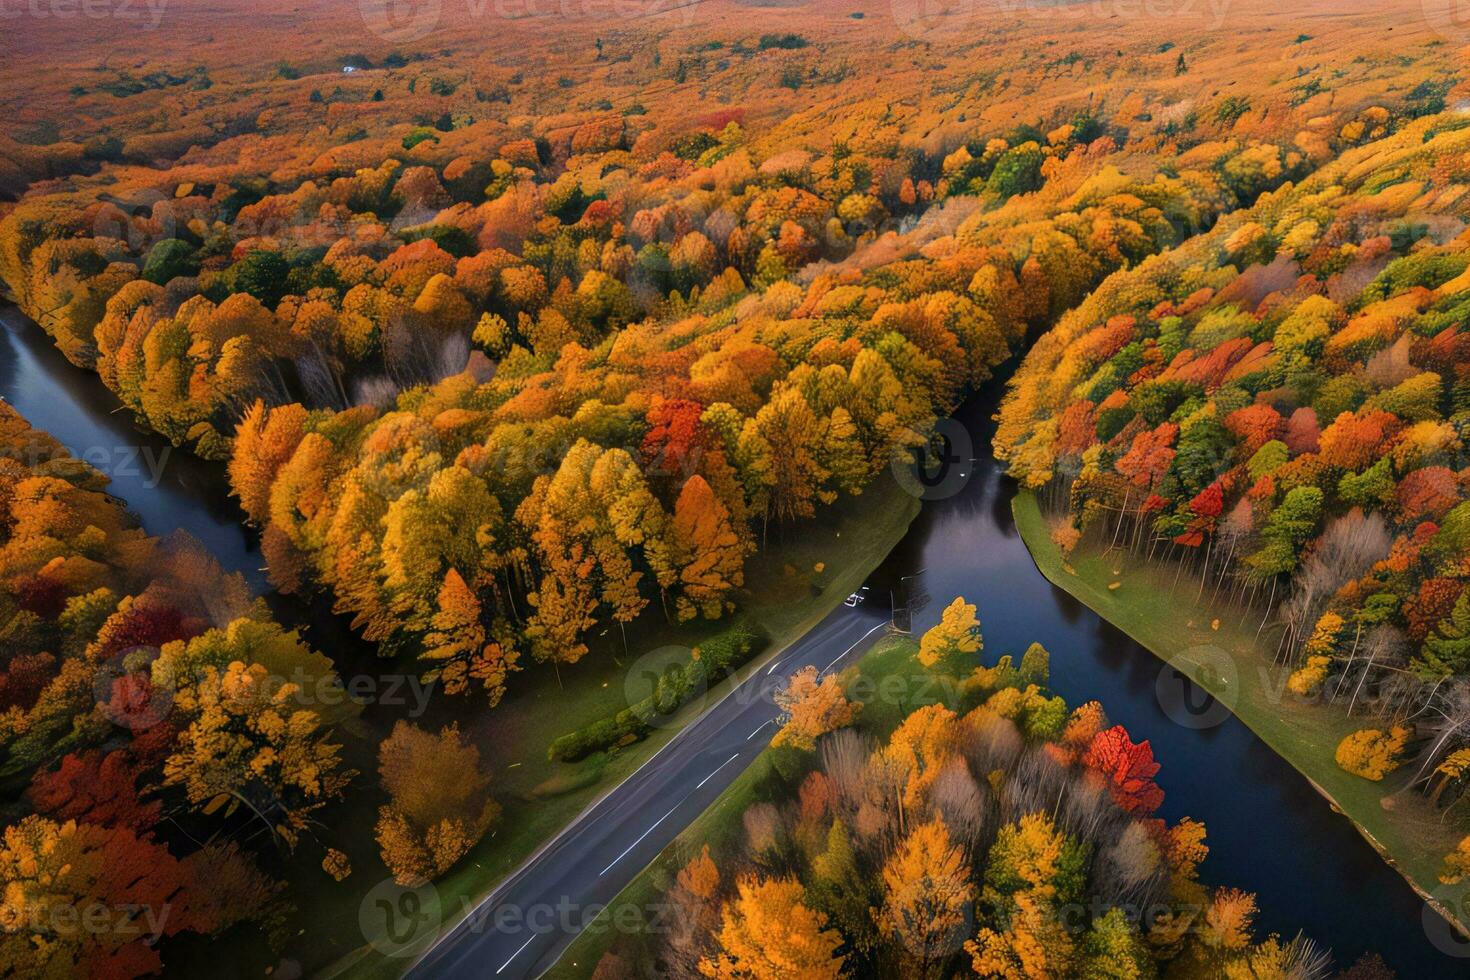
(1282, 401)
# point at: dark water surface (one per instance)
(168, 488)
(1269, 831)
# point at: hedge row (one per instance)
(680, 683)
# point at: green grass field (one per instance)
(1235, 667)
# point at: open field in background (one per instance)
(170, 81)
(647, 241)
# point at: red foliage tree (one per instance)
(95, 787)
(676, 439)
(1302, 431)
(1428, 492)
(1206, 506)
(1077, 429)
(1254, 426)
(1129, 769)
(22, 682)
(1353, 441)
(144, 624)
(1148, 459)
(43, 596)
(1209, 502)
(1433, 602)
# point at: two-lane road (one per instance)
(523, 926)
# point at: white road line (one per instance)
(717, 769)
(758, 728)
(639, 840)
(854, 646)
(515, 954)
(455, 934)
(810, 639)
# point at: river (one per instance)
(169, 489)
(1269, 831)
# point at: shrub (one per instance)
(1372, 754)
(711, 662)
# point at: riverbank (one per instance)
(1216, 647)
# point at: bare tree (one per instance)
(845, 761)
(963, 804)
(1037, 784)
(1131, 872)
(992, 742)
(1347, 548)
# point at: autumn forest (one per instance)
(434, 435)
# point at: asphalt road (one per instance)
(523, 927)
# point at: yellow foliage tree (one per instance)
(1457, 864)
(438, 805)
(770, 933)
(1036, 946)
(1372, 754)
(812, 708)
(950, 644)
(926, 893)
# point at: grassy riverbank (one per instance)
(1217, 648)
(790, 588)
